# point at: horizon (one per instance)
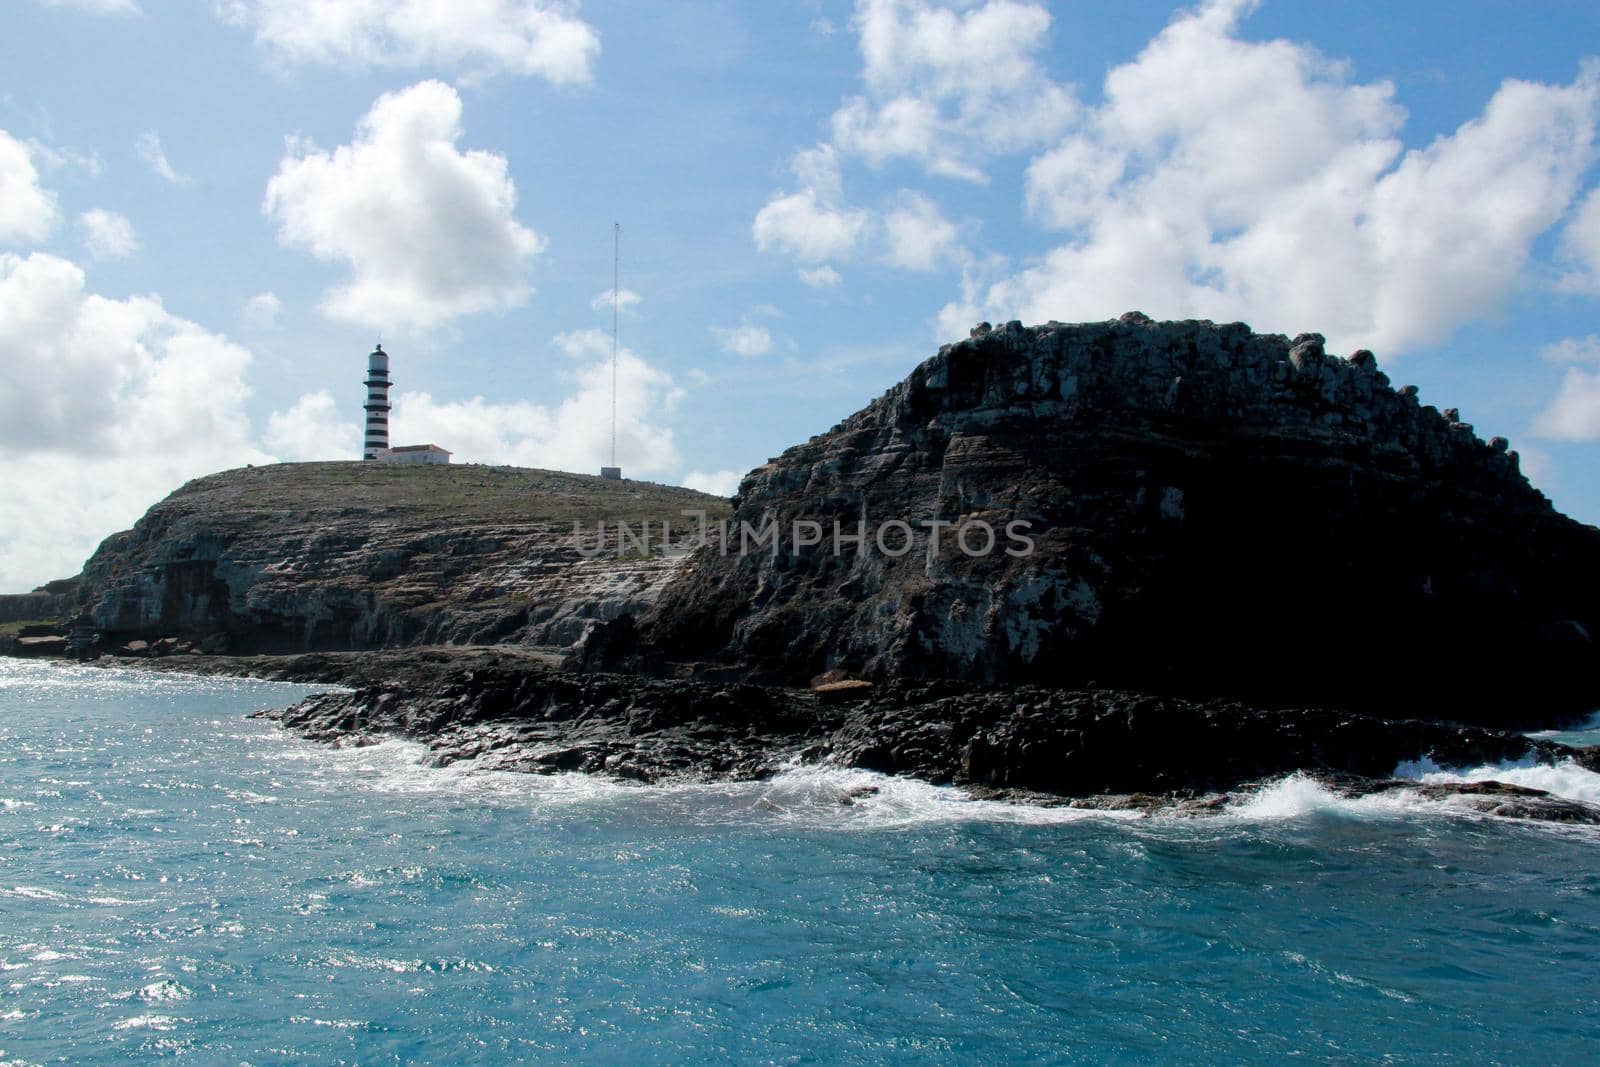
(210, 217)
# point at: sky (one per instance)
(211, 210)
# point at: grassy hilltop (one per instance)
(452, 494)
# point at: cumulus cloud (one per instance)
(148, 146)
(812, 223)
(108, 235)
(747, 340)
(1580, 246)
(627, 300)
(27, 209)
(572, 434)
(823, 277)
(427, 229)
(1574, 413)
(948, 84)
(717, 483)
(261, 311)
(313, 430)
(1574, 350)
(538, 38)
(53, 157)
(105, 406)
(918, 236)
(1228, 179)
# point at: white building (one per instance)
(413, 454)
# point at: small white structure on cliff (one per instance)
(413, 454)
(376, 445)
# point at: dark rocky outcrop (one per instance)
(293, 557)
(1214, 512)
(1098, 748)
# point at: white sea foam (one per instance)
(1300, 796)
(32, 892)
(814, 794)
(406, 768)
(148, 1022)
(164, 991)
(836, 796)
(1564, 779)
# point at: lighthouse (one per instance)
(377, 404)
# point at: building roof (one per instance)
(421, 448)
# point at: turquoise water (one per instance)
(179, 881)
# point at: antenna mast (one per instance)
(616, 261)
(614, 472)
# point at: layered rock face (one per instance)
(1211, 512)
(303, 556)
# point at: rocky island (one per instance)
(1221, 556)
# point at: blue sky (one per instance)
(210, 210)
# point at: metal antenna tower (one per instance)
(616, 262)
(614, 471)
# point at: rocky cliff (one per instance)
(1210, 511)
(304, 556)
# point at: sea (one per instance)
(181, 882)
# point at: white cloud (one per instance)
(748, 340)
(919, 236)
(108, 235)
(539, 38)
(98, 7)
(148, 146)
(427, 229)
(261, 311)
(823, 277)
(948, 84)
(1574, 414)
(1580, 246)
(812, 224)
(717, 483)
(52, 157)
(1538, 466)
(574, 434)
(627, 300)
(1228, 179)
(313, 430)
(105, 406)
(1574, 350)
(27, 209)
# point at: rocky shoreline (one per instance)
(1107, 749)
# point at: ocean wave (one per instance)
(827, 796)
(835, 796)
(1300, 796)
(1565, 778)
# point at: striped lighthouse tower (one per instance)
(377, 404)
